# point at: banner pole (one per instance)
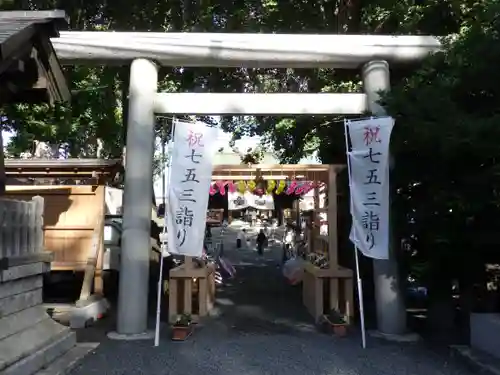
(356, 255)
(164, 244)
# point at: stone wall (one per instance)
(29, 339)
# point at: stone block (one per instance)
(18, 286)
(25, 270)
(23, 344)
(20, 302)
(21, 320)
(40, 358)
(64, 364)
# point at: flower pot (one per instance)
(339, 330)
(181, 333)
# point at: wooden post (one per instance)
(32, 228)
(8, 229)
(38, 204)
(91, 266)
(3, 230)
(24, 227)
(98, 275)
(172, 299)
(3, 177)
(332, 218)
(315, 219)
(15, 218)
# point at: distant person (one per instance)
(254, 218)
(261, 242)
(208, 231)
(288, 241)
(240, 238)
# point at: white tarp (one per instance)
(190, 178)
(239, 201)
(369, 185)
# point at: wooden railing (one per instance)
(191, 291)
(21, 227)
(91, 269)
(329, 288)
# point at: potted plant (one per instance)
(182, 328)
(336, 322)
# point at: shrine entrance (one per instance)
(325, 285)
(372, 57)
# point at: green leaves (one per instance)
(446, 144)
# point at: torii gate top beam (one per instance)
(241, 50)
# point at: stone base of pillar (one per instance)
(407, 337)
(148, 335)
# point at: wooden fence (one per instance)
(21, 227)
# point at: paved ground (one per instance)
(262, 329)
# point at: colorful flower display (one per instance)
(282, 186)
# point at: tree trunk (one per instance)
(441, 309)
(3, 176)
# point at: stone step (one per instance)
(43, 357)
(69, 360)
(22, 344)
(21, 320)
(10, 288)
(18, 302)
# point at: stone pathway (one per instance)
(262, 329)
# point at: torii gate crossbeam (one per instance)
(242, 50)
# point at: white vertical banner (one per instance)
(190, 178)
(369, 184)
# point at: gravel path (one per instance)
(261, 329)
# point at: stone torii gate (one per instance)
(371, 54)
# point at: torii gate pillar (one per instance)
(136, 243)
(391, 314)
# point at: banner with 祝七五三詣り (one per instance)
(369, 184)
(190, 178)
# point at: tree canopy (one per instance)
(446, 110)
(99, 92)
(445, 142)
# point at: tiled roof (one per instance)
(17, 26)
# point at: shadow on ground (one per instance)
(258, 299)
(260, 328)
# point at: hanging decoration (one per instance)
(281, 187)
(308, 186)
(260, 187)
(212, 190)
(300, 188)
(221, 185)
(242, 187)
(251, 185)
(304, 188)
(271, 184)
(291, 188)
